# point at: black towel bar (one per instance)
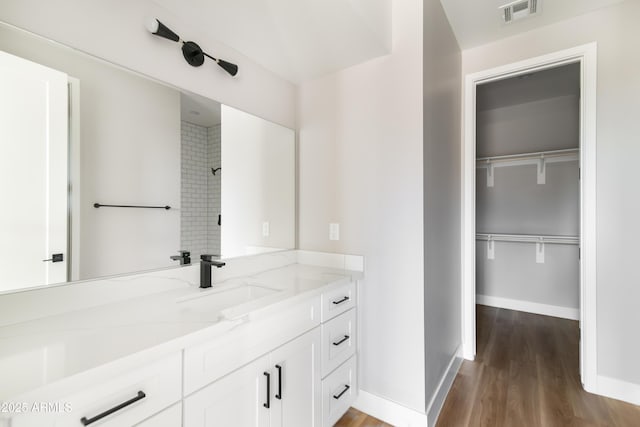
(98, 205)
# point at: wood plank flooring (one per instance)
(526, 373)
(355, 418)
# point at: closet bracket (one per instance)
(542, 170)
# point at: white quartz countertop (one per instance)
(39, 352)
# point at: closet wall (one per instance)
(528, 114)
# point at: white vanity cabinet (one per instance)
(339, 358)
(111, 399)
(279, 389)
(295, 382)
(308, 381)
(235, 400)
(289, 361)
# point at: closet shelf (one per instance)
(553, 156)
(540, 159)
(529, 238)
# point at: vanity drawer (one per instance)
(339, 390)
(125, 399)
(205, 363)
(337, 301)
(171, 417)
(338, 341)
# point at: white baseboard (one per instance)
(435, 405)
(529, 307)
(618, 389)
(388, 411)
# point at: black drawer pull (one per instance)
(340, 301)
(339, 395)
(346, 337)
(279, 394)
(86, 422)
(268, 404)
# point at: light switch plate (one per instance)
(334, 231)
(265, 229)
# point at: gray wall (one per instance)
(442, 203)
(517, 204)
(514, 273)
(548, 124)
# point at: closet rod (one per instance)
(529, 238)
(569, 153)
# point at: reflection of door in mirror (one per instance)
(33, 174)
(258, 185)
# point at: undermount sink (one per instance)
(218, 298)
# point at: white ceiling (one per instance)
(199, 110)
(296, 39)
(476, 22)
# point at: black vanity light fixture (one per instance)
(192, 53)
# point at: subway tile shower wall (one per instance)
(200, 189)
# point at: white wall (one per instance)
(257, 184)
(442, 203)
(616, 31)
(114, 30)
(360, 165)
(130, 154)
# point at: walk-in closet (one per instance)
(528, 192)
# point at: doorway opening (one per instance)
(529, 194)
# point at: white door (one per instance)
(296, 389)
(33, 173)
(235, 400)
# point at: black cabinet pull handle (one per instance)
(55, 258)
(279, 394)
(339, 395)
(86, 421)
(268, 404)
(341, 300)
(346, 337)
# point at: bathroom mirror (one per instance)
(105, 172)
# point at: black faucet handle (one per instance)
(209, 260)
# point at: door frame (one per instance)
(586, 55)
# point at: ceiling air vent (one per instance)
(519, 9)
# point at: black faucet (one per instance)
(206, 261)
(184, 257)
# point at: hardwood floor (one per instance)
(355, 418)
(526, 373)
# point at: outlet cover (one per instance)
(265, 229)
(334, 231)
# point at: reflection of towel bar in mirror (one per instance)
(98, 205)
